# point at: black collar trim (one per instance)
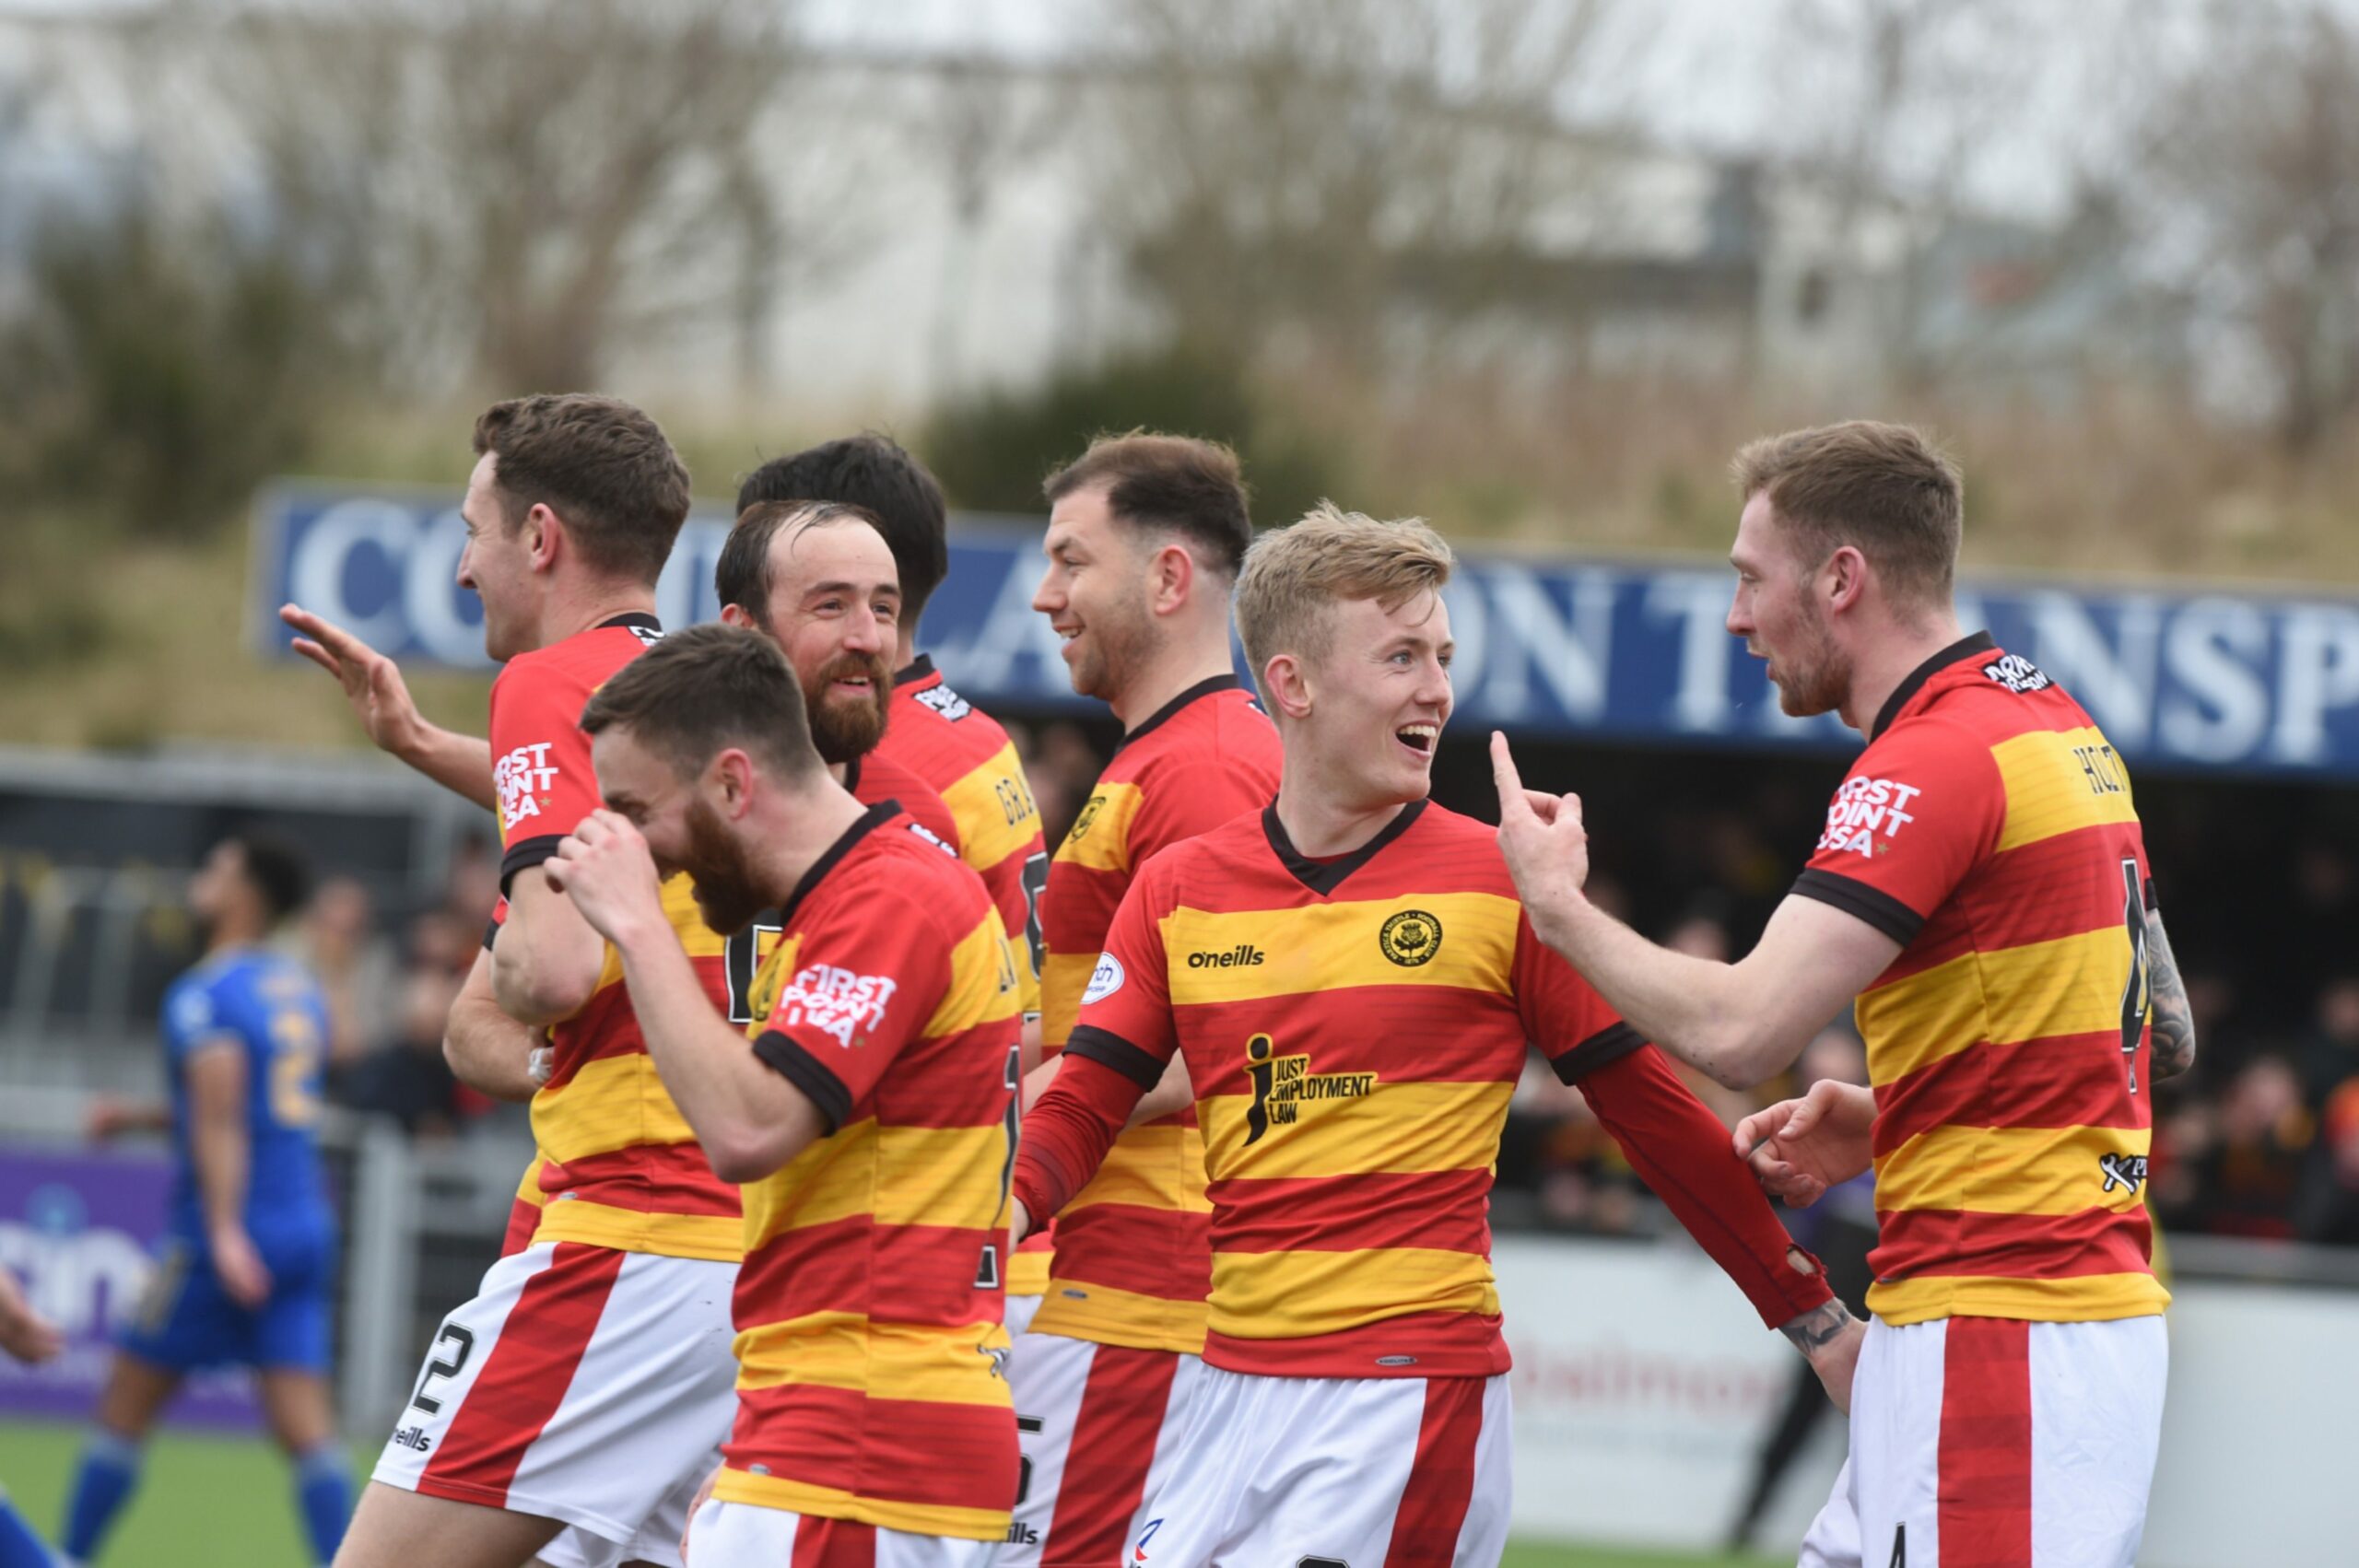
(852, 773)
(914, 671)
(870, 821)
(1980, 642)
(1324, 877)
(636, 620)
(1228, 683)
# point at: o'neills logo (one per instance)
(1243, 955)
(1284, 1085)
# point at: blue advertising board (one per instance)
(2237, 679)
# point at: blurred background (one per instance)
(1531, 269)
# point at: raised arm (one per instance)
(1738, 1024)
(379, 698)
(748, 1116)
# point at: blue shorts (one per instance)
(186, 1320)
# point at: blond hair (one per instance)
(1295, 576)
(1886, 490)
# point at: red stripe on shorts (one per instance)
(1113, 1443)
(1985, 1461)
(833, 1543)
(1441, 1477)
(532, 1365)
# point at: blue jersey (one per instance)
(270, 1009)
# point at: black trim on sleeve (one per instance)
(1874, 906)
(1202, 688)
(784, 1055)
(491, 934)
(1323, 877)
(1980, 642)
(1108, 1050)
(914, 671)
(1603, 1048)
(525, 854)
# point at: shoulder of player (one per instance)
(909, 870)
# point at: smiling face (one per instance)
(1775, 611)
(1094, 593)
(496, 564)
(1380, 695)
(834, 610)
(683, 827)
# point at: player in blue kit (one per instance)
(246, 1273)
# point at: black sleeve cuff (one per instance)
(491, 934)
(1603, 1048)
(785, 1056)
(1112, 1050)
(1878, 909)
(525, 854)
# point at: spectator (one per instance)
(2246, 1179)
(2329, 1055)
(358, 974)
(2327, 1208)
(409, 1080)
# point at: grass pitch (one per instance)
(206, 1502)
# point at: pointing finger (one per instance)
(1510, 783)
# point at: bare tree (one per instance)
(2253, 150)
(512, 188)
(1274, 173)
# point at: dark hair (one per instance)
(698, 692)
(741, 576)
(1884, 490)
(871, 471)
(599, 464)
(1192, 487)
(276, 870)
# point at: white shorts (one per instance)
(1098, 1425)
(1989, 1441)
(1334, 1472)
(745, 1535)
(1020, 1311)
(658, 1541)
(615, 1390)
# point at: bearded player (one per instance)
(1982, 890)
(935, 733)
(1145, 537)
(871, 1117)
(1352, 984)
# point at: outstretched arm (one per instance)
(1739, 1024)
(2174, 1016)
(379, 697)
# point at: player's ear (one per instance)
(1170, 575)
(738, 615)
(1843, 579)
(729, 780)
(1285, 687)
(544, 532)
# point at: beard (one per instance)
(842, 729)
(727, 895)
(1816, 677)
(1118, 643)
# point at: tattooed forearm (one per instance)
(2173, 1018)
(1818, 1327)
